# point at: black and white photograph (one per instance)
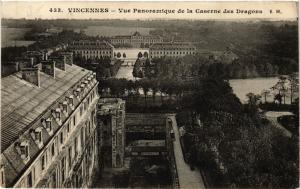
(172, 95)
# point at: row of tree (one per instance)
(202, 66)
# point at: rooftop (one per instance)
(172, 45)
(90, 43)
(22, 102)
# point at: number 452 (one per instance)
(55, 10)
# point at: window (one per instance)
(82, 136)
(81, 110)
(49, 125)
(43, 162)
(53, 150)
(38, 135)
(57, 113)
(75, 147)
(29, 180)
(68, 128)
(70, 156)
(70, 100)
(65, 106)
(63, 162)
(61, 137)
(24, 149)
(2, 177)
(53, 178)
(74, 120)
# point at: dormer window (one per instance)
(65, 106)
(82, 87)
(70, 100)
(77, 92)
(24, 150)
(57, 113)
(37, 136)
(48, 125)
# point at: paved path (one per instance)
(125, 72)
(187, 177)
(272, 117)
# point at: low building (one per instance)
(136, 40)
(171, 49)
(91, 49)
(111, 119)
(48, 126)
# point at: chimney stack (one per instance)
(48, 67)
(59, 62)
(31, 75)
(45, 55)
(68, 57)
(31, 61)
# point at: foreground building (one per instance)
(91, 49)
(111, 120)
(136, 40)
(171, 49)
(48, 126)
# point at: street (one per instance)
(272, 117)
(187, 177)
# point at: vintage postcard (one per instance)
(160, 94)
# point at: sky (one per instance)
(33, 10)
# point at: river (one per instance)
(254, 85)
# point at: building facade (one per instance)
(136, 40)
(48, 126)
(171, 49)
(111, 120)
(91, 49)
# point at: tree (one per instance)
(136, 68)
(145, 86)
(265, 93)
(140, 55)
(118, 55)
(124, 55)
(253, 99)
(293, 85)
(154, 87)
(147, 68)
(146, 54)
(281, 87)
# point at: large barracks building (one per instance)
(48, 125)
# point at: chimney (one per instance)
(48, 67)
(45, 55)
(31, 75)
(59, 63)
(31, 61)
(68, 57)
